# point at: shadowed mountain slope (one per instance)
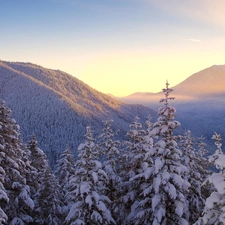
(57, 107)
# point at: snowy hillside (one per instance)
(57, 107)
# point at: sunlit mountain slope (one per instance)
(57, 107)
(199, 101)
(207, 83)
(210, 81)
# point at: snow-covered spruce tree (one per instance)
(135, 168)
(49, 209)
(194, 196)
(38, 161)
(109, 154)
(214, 211)
(3, 196)
(202, 159)
(130, 165)
(64, 171)
(19, 207)
(204, 165)
(38, 165)
(37, 157)
(169, 187)
(134, 152)
(142, 207)
(202, 151)
(87, 188)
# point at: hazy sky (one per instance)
(116, 46)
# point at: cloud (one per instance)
(206, 11)
(194, 40)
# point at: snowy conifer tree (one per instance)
(130, 165)
(169, 187)
(204, 165)
(142, 207)
(65, 168)
(191, 161)
(110, 151)
(37, 157)
(3, 195)
(202, 151)
(202, 159)
(134, 154)
(13, 152)
(64, 171)
(90, 204)
(48, 201)
(214, 211)
(39, 164)
(38, 160)
(135, 168)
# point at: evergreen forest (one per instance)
(151, 176)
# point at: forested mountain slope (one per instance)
(57, 107)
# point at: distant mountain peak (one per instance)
(209, 81)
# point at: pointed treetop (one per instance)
(88, 133)
(33, 142)
(218, 139)
(167, 91)
(218, 157)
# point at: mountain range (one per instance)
(58, 107)
(199, 101)
(207, 83)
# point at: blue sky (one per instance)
(116, 46)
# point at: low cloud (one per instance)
(207, 11)
(194, 40)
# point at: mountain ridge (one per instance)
(206, 83)
(57, 107)
(199, 102)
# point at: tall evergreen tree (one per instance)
(136, 163)
(204, 167)
(13, 153)
(141, 209)
(90, 204)
(37, 157)
(65, 168)
(202, 151)
(3, 195)
(214, 211)
(48, 201)
(191, 160)
(130, 165)
(109, 153)
(169, 187)
(64, 171)
(38, 165)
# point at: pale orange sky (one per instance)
(117, 47)
(123, 74)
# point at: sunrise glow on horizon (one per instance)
(117, 47)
